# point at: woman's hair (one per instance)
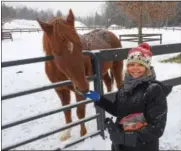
(148, 72)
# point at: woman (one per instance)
(140, 105)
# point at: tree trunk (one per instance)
(140, 25)
(140, 40)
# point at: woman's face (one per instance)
(136, 69)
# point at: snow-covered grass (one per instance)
(176, 59)
(29, 45)
(21, 23)
(168, 36)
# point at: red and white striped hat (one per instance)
(140, 54)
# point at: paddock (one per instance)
(97, 57)
(31, 76)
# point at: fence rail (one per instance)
(96, 79)
(46, 87)
(172, 28)
(173, 82)
(97, 57)
(39, 29)
(6, 35)
(21, 30)
(154, 37)
(64, 108)
(103, 55)
(51, 132)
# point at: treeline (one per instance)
(9, 13)
(114, 15)
(109, 15)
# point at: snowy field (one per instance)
(29, 45)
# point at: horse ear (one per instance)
(70, 17)
(45, 26)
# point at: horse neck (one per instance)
(46, 47)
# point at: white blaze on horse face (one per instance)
(70, 46)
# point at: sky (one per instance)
(81, 8)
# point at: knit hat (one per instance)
(140, 54)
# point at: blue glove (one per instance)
(95, 96)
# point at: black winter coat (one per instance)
(148, 97)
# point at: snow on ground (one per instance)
(79, 24)
(28, 45)
(114, 26)
(166, 36)
(21, 23)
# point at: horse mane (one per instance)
(61, 30)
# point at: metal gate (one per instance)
(100, 114)
(97, 57)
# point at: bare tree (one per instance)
(155, 11)
(59, 13)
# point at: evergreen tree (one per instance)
(59, 13)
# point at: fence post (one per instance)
(11, 37)
(98, 86)
(160, 38)
(120, 38)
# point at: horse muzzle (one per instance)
(81, 92)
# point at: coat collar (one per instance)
(130, 83)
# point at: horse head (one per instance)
(61, 40)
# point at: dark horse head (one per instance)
(61, 40)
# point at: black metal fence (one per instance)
(172, 28)
(6, 35)
(146, 37)
(97, 57)
(22, 30)
(99, 112)
(39, 29)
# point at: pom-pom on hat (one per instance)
(140, 54)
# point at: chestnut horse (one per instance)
(61, 40)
